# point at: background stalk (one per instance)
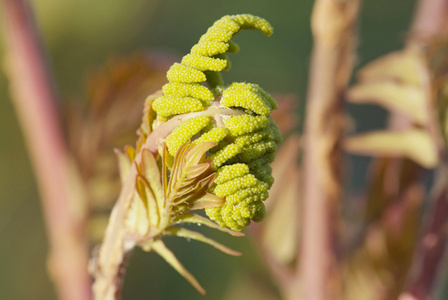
(334, 29)
(34, 99)
(429, 26)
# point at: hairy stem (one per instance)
(333, 26)
(34, 99)
(111, 261)
(110, 264)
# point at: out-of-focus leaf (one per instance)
(97, 125)
(96, 227)
(379, 191)
(246, 286)
(365, 283)
(280, 229)
(281, 226)
(403, 66)
(379, 268)
(399, 82)
(414, 144)
(285, 115)
(389, 177)
(284, 158)
(406, 99)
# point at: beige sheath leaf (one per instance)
(414, 144)
(150, 171)
(137, 220)
(406, 99)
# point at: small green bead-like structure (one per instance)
(236, 117)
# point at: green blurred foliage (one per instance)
(82, 35)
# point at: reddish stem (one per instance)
(432, 251)
(334, 27)
(35, 102)
(430, 23)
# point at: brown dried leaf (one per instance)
(246, 285)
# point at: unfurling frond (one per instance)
(200, 147)
(235, 117)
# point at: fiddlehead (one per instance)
(202, 145)
(235, 117)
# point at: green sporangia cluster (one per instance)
(235, 117)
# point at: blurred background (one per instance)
(82, 36)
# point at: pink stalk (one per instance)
(35, 101)
(334, 27)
